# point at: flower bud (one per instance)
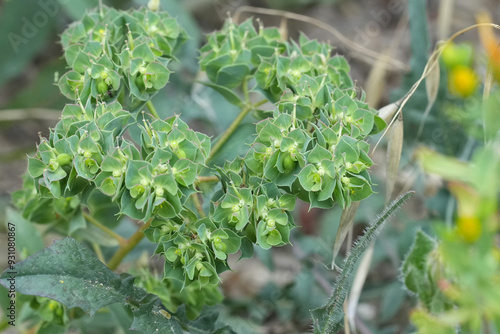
(199, 265)
(159, 192)
(345, 180)
(154, 5)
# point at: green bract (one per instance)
(119, 52)
(311, 145)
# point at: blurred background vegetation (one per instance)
(276, 291)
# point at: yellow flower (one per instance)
(469, 228)
(462, 81)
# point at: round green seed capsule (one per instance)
(102, 87)
(63, 159)
(288, 163)
(199, 265)
(139, 82)
(181, 154)
(174, 145)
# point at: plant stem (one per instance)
(206, 179)
(225, 136)
(128, 246)
(98, 252)
(245, 91)
(197, 204)
(108, 231)
(152, 109)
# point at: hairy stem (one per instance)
(128, 246)
(330, 318)
(225, 136)
(152, 109)
(121, 240)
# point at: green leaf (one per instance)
(36, 167)
(226, 93)
(159, 75)
(71, 274)
(415, 264)
(347, 146)
(58, 271)
(232, 76)
(274, 238)
(306, 177)
(152, 318)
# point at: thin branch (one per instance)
(206, 179)
(152, 109)
(225, 136)
(197, 204)
(128, 246)
(121, 240)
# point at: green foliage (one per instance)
(58, 271)
(113, 53)
(105, 158)
(418, 272)
(453, 276)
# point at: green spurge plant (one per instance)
(106, 152)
